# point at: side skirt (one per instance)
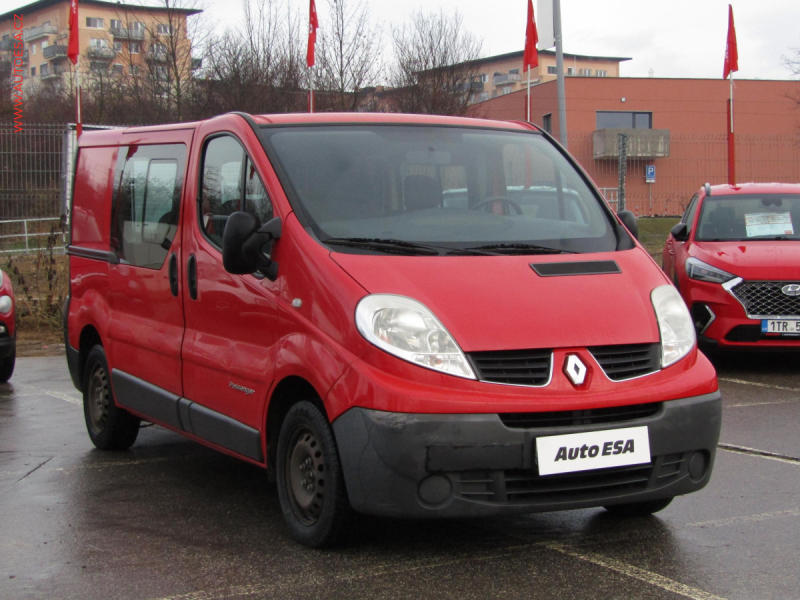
(183, 415)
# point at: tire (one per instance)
(638, 509)
(110, 427)
(311, 488)
(7, 365)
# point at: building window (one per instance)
(98, 43)
(163, 29)
(44, 44)
(547, 122)
(33, 49)
(135, 47)
(601, 73)
(44, 70)
(94, 22)
(552, 70)
(585, 72)
(614, 119)
(570, 71)
(116, 24)
(137, 27)
(117, 46)
(33, 71)
(135, 69)
(116, 69)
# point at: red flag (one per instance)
(531, 57)
(312, 33)
(731, 52)
(72, 47)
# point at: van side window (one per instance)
(230, 183)
(145, 207)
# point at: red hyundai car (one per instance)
(8, 332)
(735, 258)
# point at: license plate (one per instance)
(592, 450)
(781, 326)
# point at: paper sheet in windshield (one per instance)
(763, 224)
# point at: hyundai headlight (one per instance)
(407, 329)
(674, 323)
(697, 269)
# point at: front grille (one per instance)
(626, 362)
(565, 418)
(765, 299)
(514, 367)
(527, 487)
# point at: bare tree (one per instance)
(349, 55)
(434, 68)
(256, 69)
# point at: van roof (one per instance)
(105, 136)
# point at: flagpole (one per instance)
(311, 89)
(529, 94)
(79, 124)
(731, 140)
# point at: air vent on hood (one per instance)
(559, 269)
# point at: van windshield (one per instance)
(437, 190)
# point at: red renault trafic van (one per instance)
(397, 315)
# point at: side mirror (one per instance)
(680, 232)
(629, 220)
(247, 245)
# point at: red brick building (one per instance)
(676, 125)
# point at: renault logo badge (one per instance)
(575, 369)
(793, 289)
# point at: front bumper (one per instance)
(434, 465)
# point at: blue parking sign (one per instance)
(650, 174)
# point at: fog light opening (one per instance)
(698, 465)
(435, 490)
(702, 316)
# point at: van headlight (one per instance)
(407, 329)
(6, 304)
(674, 323)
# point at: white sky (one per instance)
(664, 38)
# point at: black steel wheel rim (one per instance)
(305, 475)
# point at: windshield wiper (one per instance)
(387, 245)
(520, 248)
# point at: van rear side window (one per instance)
(144, 212)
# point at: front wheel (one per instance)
(110, 427)
(638, 509)
(309, 476)
(7, 365)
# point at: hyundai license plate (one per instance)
(781, 326)
(592, 450)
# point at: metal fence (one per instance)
(35, 174)
(692, 161)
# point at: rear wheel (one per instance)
(309, 476)
(638, 509)
(110, 427)
(7, 365)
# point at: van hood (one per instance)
(765, 259)
(500, 302)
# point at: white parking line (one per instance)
(654, 579)
(778, 514)
(759, 384)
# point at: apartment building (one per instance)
(116, 39)
(502, 74)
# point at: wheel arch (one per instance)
(288, 392)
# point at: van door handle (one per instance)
(192, 276)
(173, 275)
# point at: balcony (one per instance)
(55, 52)
(49, 76)
(98, 53)
(130, 33)
(34, 33)
(160, 56)
(642, 143)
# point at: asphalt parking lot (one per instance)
(170, 519)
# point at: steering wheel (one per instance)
(489, 203)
